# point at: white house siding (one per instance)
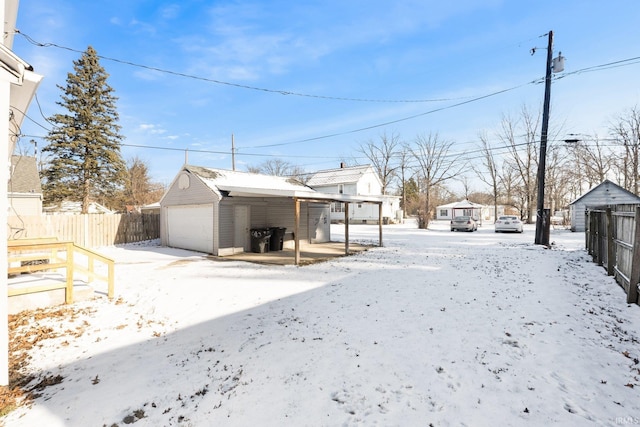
(25, 204)
(606, 193)
(369, 184)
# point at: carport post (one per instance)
(296, 230)
(346, 228)
(379, 224)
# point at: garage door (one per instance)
(190, 227)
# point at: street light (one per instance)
(556, 65)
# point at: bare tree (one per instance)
(520, 138)
(138, 189)
(382, 155)
(279, 167)
(488, 173)
(403, 157)
(510, 184)
(466, 185)
(627, 133)
(435, 165)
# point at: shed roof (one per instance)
(609, 187)
(347, 175)
(24, 176)
(247, 184)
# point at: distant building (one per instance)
(605, 193)
(75, 208)
(356, 181)
(24, 189)
(465, 207)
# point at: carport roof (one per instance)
(245, 184)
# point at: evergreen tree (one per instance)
(85, 143)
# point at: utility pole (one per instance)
(542, 238)
(233, 154)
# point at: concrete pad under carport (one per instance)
(309, 254)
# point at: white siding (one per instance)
(604, 194)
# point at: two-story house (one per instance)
(356, 180)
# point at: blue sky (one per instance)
(231, 63)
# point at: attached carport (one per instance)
(309, 197)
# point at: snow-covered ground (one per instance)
(434, 328)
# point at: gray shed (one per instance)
(605, 193)
(214, 210)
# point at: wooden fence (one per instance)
(613, 240)
(89, 230)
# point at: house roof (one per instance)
(348, 175)
(69, 207)
(24, 176)
(462, 204)
(246, 184)
(609, 185)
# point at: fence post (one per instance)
(611, 257)
(634, 277)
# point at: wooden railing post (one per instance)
(68, 296)
(110, 275)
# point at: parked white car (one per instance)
(508, 223)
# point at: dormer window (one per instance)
(341, 188)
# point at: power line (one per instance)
(237, 85)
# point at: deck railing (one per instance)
(32, 255)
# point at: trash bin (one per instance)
(260, 240)
(276, 242)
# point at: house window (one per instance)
(444, 212)
(337, 207)
(467, 212)
(341, 188)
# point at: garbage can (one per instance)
(260, 240)
(276, 242)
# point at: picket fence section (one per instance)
(613, 240)
(88, 230)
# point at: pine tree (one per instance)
(85, 143)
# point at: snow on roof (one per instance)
(219, 179)
(461, 204)
(257, 185)
(338, 176)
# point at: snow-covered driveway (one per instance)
(434, 328)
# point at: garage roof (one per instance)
(246, 184)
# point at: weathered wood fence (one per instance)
(613, 240)
(89, 230)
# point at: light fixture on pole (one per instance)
(556, 65)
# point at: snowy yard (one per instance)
(435, 328)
